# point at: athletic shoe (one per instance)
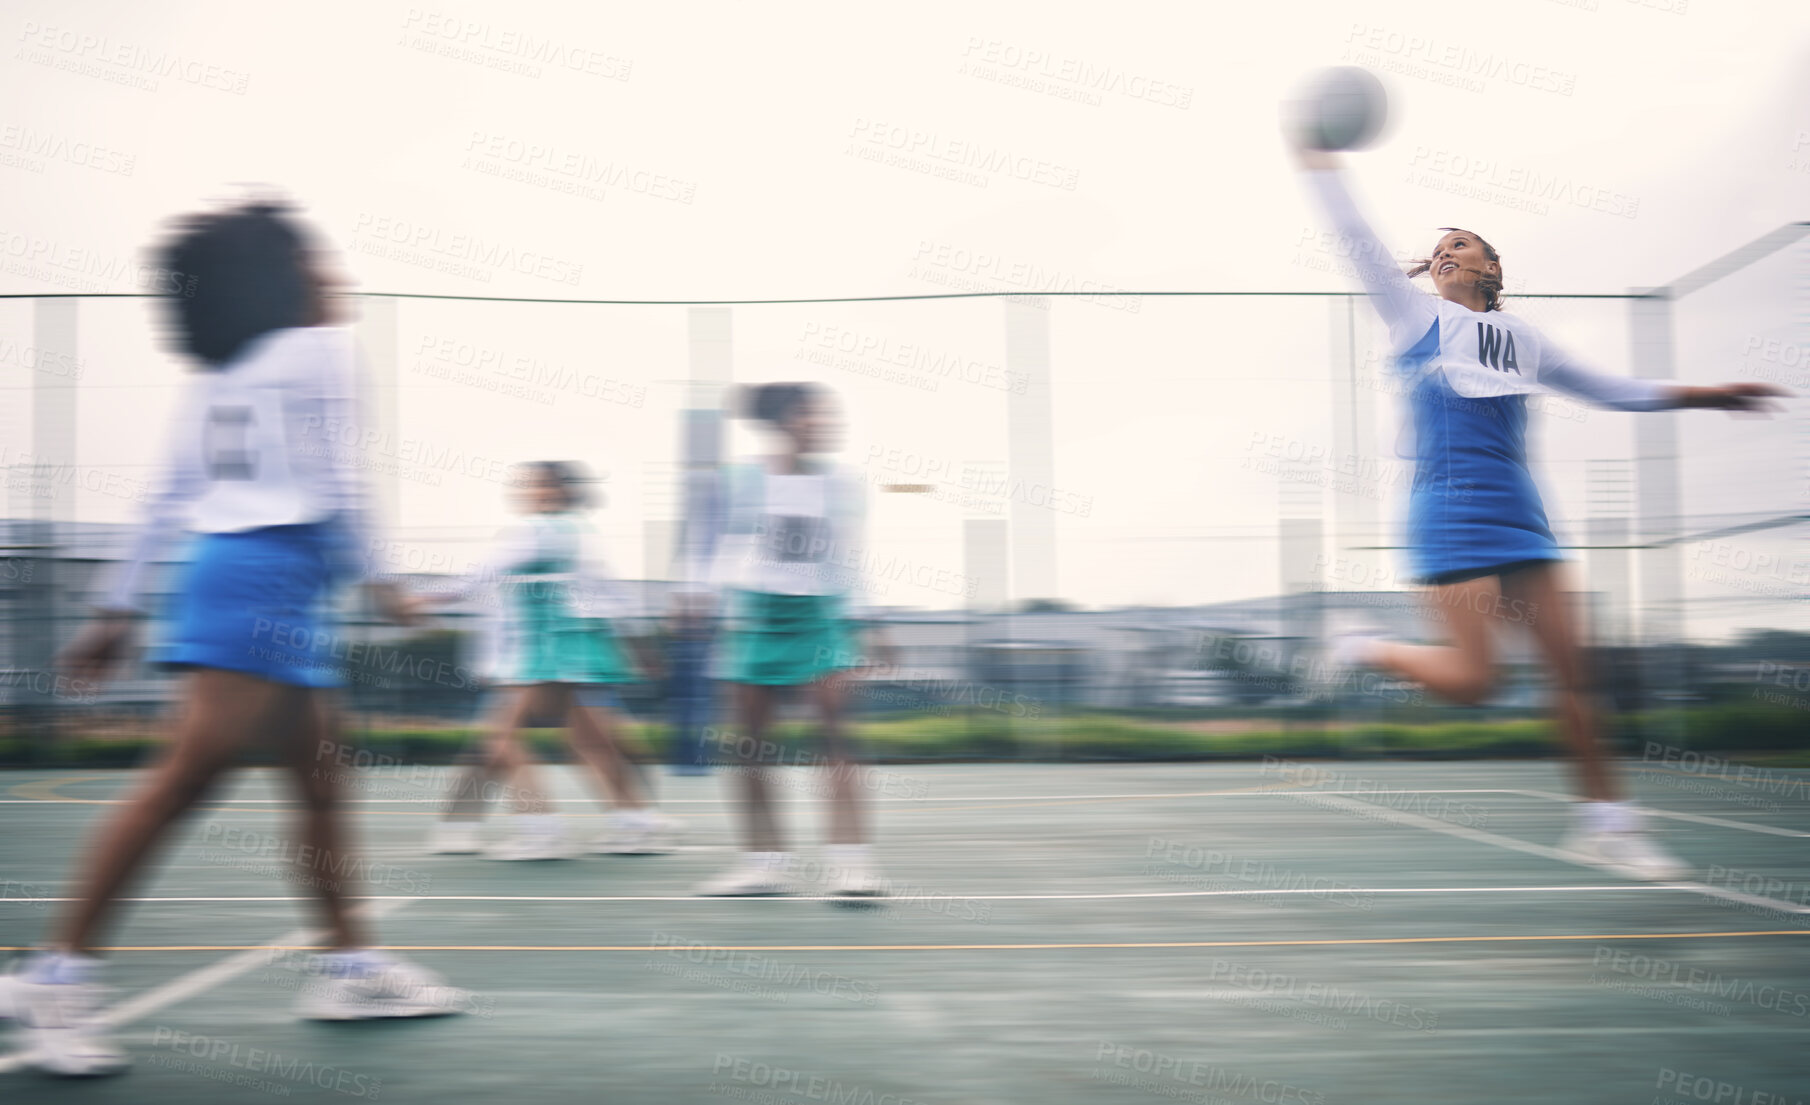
(1633, 854)
(1345, 654)
(1354, 648)
(858, 883)
(534, 837)
(392, 988)
(638, 833)
(756, 875)
(456, 838)
(62, 1026)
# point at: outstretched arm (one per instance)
(1407, 310)
(1730, 397)
(1561, 372)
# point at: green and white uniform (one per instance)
(550, 597)
(788, 564)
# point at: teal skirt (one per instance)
(567, 650)
(784, 640)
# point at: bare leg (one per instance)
(1537, 593)
(470, 791)
(594, 733)
(760, 828)
(1464, 670)
(309, 754)
(839, 762)
(222, 711)
(504, 757)
(470, 787)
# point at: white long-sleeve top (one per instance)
(1481, 353)
(269, 439)
(551, 561)
(800, 534)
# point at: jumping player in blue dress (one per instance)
(1477, 531)
(279, 514)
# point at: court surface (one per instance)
(1349, 932)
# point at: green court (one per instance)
(1335, 932)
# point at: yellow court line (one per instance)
(44, 790)
(689, 948)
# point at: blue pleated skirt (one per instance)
(257, 602)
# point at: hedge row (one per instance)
(1780, 732)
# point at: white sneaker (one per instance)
(751, 878)
(1354, 648)
(456, 838)
(396, 988)
(1633, 854)
(1345, 655)
(62, 1026)
(638, 833)
(859, 882)
(533, 844)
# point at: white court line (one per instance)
(1415, 820)
(187, 986)
(1354, 890)
(1243, 792)
(1676, 815)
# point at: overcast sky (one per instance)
(733, 151)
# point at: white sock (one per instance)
(62, 968)
(1608, 817)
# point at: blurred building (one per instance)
(1020, 664)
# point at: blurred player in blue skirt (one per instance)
(253, 469)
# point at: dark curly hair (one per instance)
(243, 274)
(1490, 286)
